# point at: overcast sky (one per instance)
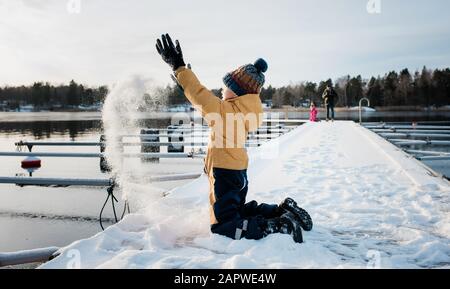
(43, 40)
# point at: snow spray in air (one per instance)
(167, 219)
(127, 103)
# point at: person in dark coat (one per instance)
(330, 97)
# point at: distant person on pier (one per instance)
(313, 113)
(330, 97)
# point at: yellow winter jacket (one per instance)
(230, 122)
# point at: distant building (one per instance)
(267, 103)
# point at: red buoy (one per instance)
(31, 163)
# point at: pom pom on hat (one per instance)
(261, 65)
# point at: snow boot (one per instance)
(286, 224)
(302, 216)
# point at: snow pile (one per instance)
(371, 204)
(364, 108)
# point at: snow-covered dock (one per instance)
(371, 203)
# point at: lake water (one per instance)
(33, 217)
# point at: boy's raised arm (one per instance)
(203, 99)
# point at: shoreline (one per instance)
(281, 109)
(355, 109)
(290, 112)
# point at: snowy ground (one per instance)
(364, 108)
(371, 204)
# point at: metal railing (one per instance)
(360, 107)
(25, 181)
(405, 136)
(28, 256)
(100, 155)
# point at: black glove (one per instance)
(171, 54)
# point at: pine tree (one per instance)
(389, 88)
(425, 88)
(375, 92)
(72, 94)
(403, 89)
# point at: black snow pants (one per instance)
(234, 217)
(330, 111)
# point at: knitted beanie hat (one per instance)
(247, 79)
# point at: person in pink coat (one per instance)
(313, 113)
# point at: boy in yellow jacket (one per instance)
(231, 119)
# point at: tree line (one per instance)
(423, 88)
(50, 97)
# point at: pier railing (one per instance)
(413, 137)
(28, 256)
